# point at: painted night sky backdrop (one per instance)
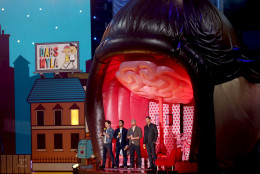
(38, 21)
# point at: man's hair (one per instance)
(122, 121)
(72, 45)
(148, 117)
(133, 120)
(108, 122)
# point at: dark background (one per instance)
(244, 15)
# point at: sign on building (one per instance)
(57, 57)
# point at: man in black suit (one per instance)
(150, 138)
(121, 143)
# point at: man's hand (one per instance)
(132, 138)
(105, 134)
(101, 136)
(128, 137)
(119, 135)
(126, 147)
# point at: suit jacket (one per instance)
(110, 132)
(124, 140)
(150, 134)
(137, 133)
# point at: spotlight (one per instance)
(74, 166)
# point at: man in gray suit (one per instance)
(150, 138)
(134, 135)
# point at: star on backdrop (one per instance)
(29, 22)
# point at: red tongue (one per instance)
(82, 152)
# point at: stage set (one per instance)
(175, 61)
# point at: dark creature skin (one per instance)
(203, 41)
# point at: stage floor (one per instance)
(92, 169)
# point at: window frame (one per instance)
(78, 117)
(58, 149)
(37, 117)
(54, 111)
(37, 139)
(71, 141)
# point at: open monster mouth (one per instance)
(167, 52)
(135, 83)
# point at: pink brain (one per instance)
(148, 80)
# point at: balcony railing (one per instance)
(55, 160)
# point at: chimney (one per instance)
(4, 51)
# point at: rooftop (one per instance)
(57, 90)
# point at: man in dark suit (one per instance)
(121, 142)
(150, 138)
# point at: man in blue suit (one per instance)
(107, 137)
(121, 143)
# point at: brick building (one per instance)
(57, 123)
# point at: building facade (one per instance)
(7, 103)
(57, 123)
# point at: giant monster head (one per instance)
(182, 51)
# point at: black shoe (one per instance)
(115, 167)
(150, 168)
(101, 167)
(154, 167)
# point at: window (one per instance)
(40, 118)
(74, 116)
(57, 119)
(74, 140)
(58, 141)
(169, 119)
(40, 141)
(57, 114)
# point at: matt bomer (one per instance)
(150, 138)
